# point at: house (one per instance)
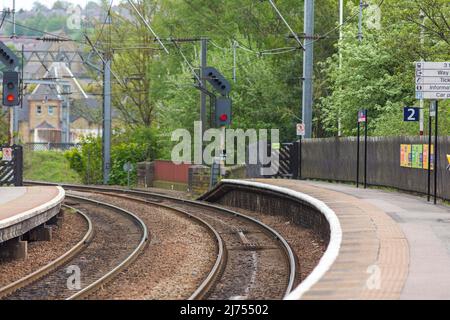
(52, 108)
(48, 110)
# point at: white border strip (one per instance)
(35, 211)
(332, 251)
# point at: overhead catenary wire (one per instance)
(324, 36)
(61, 38)
(189, 64)
(148, 26)
(103, 60)
(108, 13)
(287, 24)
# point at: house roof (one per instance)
(45, 125)
(58, 71)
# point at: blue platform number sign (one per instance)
(411, 114)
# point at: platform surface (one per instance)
(394, 245)
(20, 203)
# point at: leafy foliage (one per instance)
(129, 146)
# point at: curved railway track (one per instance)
(253, 261)
(115, 238)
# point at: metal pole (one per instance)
(300, 158)
(67, 120)
(365, 150)
(360, 35)
(308, 58)
(341, 22)
(234, 61)
(357, 155)
(106, 120)
(422, 41)
(204, 64)
(436, 154)
(11, 127)
(14, 19)
(429, 157)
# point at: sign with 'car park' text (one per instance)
(433, 80)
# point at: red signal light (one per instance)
(10, 97)
(223, 117)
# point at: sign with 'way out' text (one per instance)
(433, 80)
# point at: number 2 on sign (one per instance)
(412, 114)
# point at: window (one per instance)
(39, 109)
(51, 110)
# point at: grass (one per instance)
(48, 166)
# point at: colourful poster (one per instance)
(416, 150)
(432, 157)
(408, 156)
(403, 155)
(425, 156)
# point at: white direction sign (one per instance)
(433, 80)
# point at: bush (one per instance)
(130, 146)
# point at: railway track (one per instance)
(253, 261)
(115, 238)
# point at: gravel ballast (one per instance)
(41, 253)
(178, 258)
(307, 245)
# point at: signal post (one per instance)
(11, 85)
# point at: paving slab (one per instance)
(426, 228)
(373, 260)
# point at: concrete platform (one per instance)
(25, 208)
(386, 245)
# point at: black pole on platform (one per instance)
(300, 159)
(365, 150)
(429, 156)
(357, 155)
(436, 154)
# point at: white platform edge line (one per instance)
(332, 251)
(35, 211)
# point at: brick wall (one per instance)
(273, 203)
(199, 179)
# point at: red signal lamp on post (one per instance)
(10, 98)
(223, 112)
(11, 88)
(223, 117)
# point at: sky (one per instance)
(28, 4)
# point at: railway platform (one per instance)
(25, 211)
(382, 244)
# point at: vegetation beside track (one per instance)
(49, 166)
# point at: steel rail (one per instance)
(284, 244)
(220, 263)
(108, 276)
(53, 265)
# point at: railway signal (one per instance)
(217, 80)
(7, 57)
(10, 88)
(223, 112)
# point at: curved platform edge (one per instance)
(335, 237)
(19, 224)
